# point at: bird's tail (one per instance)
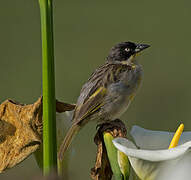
(67, 140)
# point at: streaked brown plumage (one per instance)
(108, 91)
(102, 77)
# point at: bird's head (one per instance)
(125, 51)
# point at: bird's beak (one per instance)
(141, 47)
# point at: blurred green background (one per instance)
(84, 32)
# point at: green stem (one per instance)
(49, 106)
(112, 155)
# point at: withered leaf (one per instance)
(102, 169)
(21, 130)
(62, 107)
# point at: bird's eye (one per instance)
(127, 49)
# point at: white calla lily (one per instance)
(148, 139)
(151, 162)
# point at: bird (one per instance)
(109, 91)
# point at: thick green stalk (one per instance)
(123, 164)
(112, 155)
(49, 106)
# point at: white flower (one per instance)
(153, 160)
(148, 139)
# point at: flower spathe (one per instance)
(150, 162)
(149, 139)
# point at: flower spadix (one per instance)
(153, 160)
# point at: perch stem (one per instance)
(112, 155)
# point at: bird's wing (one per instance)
(93, 92)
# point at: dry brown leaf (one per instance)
(21, 130)
(102, 169)
(62, 107)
